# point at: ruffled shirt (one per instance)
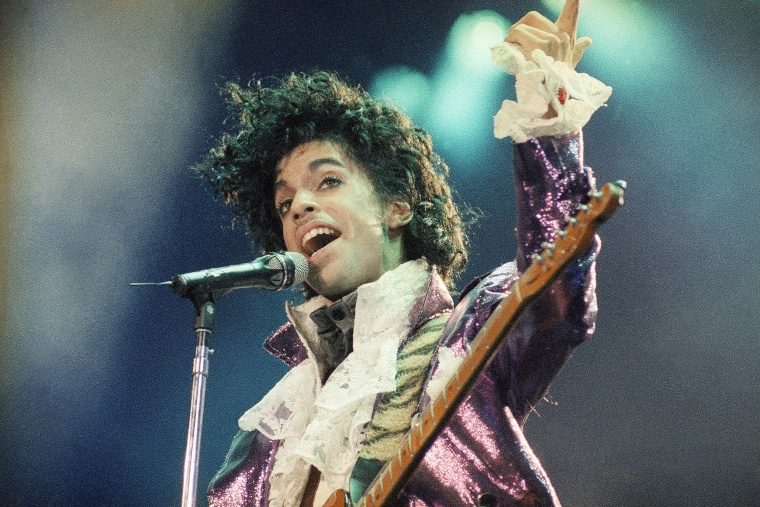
(323, 425)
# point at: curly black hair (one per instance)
(396, 155)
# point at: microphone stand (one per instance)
(292, 269)
(204, 326)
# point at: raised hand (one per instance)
(556, 39)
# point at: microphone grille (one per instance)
(301, 267)
(293, 269)
(275, 261)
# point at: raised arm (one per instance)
(551, 181)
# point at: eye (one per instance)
(330, 182)
(284, 206)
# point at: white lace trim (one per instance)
(324, 426)
(448, 362)
(536, 84)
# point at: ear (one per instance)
(398, 214)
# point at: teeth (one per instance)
(316, 232)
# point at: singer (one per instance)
(321, 168)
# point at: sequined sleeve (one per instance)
(551, 181)
(481, 457)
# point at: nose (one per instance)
(303, 204)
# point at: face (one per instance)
(331, 214)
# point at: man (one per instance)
(322, 169)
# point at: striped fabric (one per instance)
(393, 417)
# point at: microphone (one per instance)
(274, 271)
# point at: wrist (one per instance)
(552, 99)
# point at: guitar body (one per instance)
(338, 499)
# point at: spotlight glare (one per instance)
(471, 37)
(487, 33)
(406, 88)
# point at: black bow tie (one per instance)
(335, 328)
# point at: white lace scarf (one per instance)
(324, 426)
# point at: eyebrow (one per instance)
(313, 166)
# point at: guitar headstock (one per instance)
(605, 201)
(580, 229)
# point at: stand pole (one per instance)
(204, 327)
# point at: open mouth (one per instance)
(318, 238)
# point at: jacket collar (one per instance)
(285, 344)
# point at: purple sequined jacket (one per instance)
(481, 457)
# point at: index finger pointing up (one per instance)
(568, 18)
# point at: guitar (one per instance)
(571, 243)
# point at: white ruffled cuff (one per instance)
(537, 86)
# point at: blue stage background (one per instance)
(110, 104)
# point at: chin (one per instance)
(328, 290)
(334, 293)
(328, 283)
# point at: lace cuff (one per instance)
(537, 86)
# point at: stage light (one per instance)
(631, 39)
(470, 38)
(406, 88)
(456, 104)
(468, 86)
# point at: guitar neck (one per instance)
(572, 243)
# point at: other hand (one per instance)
(556, 39)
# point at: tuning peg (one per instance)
(583, 208)
(595, 194)
(621, 183)
(571, 220)
(537, 258)
(548, 248)
(562, 233)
